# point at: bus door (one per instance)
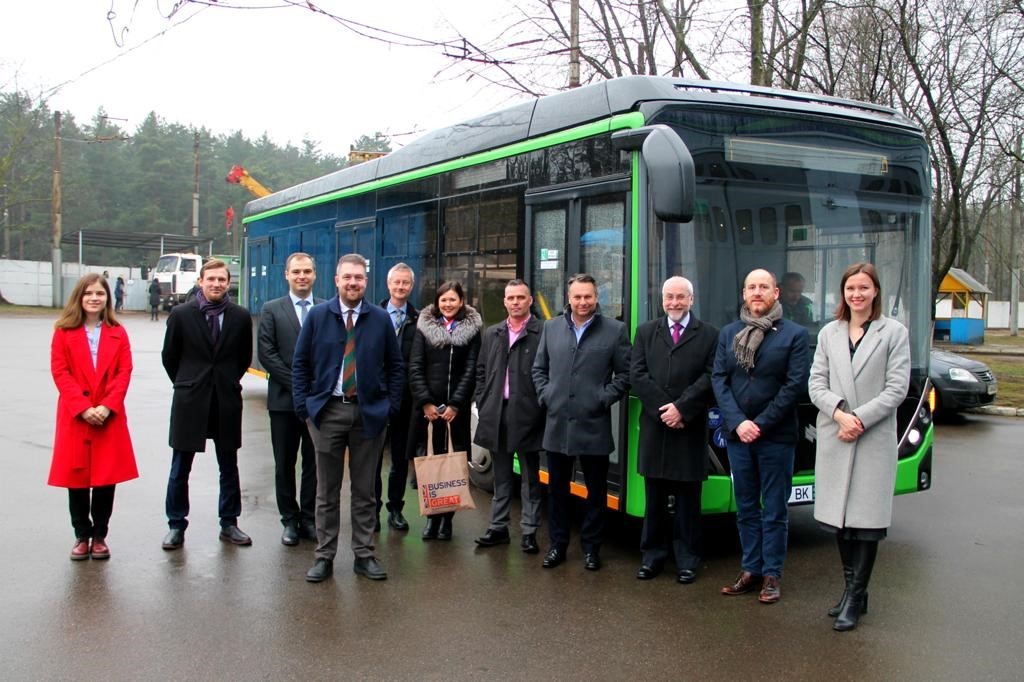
(360, 237)
(259, 259)
(583, 229)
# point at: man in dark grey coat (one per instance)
(511, 419)
(581, 370)
(671, 374)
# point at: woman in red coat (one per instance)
(91, 363)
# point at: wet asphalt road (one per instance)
(946, 599)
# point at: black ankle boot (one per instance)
(430, 532)
(864, 555)
(445, 531)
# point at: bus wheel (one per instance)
(481, 473)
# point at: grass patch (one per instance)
(10, 310)
(1009, 371)
(1001, 337)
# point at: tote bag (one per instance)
(442, 480)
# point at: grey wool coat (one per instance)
(854, 481)
(578, 383)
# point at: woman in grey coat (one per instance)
(860, 375)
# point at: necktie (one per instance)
(304, 309)
(398, 319)
(677, 331)
(348, 361)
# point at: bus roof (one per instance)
(566, 110)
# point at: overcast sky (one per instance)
(286, 71)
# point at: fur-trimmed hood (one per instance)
(431, 325)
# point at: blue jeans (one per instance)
(762, 475)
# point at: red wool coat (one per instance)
(86, 456)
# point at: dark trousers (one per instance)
(762, 476)
(504, 479)
(90, 517)
(662, 533)
(230, 503)
(595, 475)
(288, 434)
(398, 474)
(341, 429)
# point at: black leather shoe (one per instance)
(445, 530)
(235, 536)
(686, 576)
(174, 539)
(397, 521)
(368, 567)
(529, 544)
(290, 536)
(321, 571)
(307, 531)
(592, 561)
(554, 557)
(494, 537)
(648, 571)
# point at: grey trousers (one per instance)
(530, 493)
(504, 479)
(341, 428)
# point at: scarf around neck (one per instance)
(212, 311)
(748, 340)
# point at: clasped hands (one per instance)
(96, 415)
(670, 416)
(431, 412)
(850, 427)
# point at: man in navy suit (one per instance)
(347, 377)
(760, 373)
(280, 322)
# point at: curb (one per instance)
(997, 411)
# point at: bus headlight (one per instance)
(914, 436)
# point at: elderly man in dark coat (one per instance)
(581, 370)
(207, 350)
(511, 419)
(671, 374)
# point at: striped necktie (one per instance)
(348, 362)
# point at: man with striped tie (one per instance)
(347, 377)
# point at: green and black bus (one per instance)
(634, 180)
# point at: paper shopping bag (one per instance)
(442, 480)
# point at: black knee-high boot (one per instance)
(864, 553)
(846, 558)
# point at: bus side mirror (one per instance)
(670, 171)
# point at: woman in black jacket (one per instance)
(442, 376)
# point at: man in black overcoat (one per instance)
(511, 421)
(207, 349)
(670, 373)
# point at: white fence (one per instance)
(27, 282)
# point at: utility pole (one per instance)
(1015, 233)
(574, 44)
(195, 186)
(56, 260)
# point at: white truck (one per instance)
(177, 273)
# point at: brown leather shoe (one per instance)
(745, 582)
(769, 590)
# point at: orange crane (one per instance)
(239, 176)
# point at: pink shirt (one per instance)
(513, 334)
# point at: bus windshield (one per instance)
(804, 199)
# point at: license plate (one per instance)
(801, 494)
(991, 389)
